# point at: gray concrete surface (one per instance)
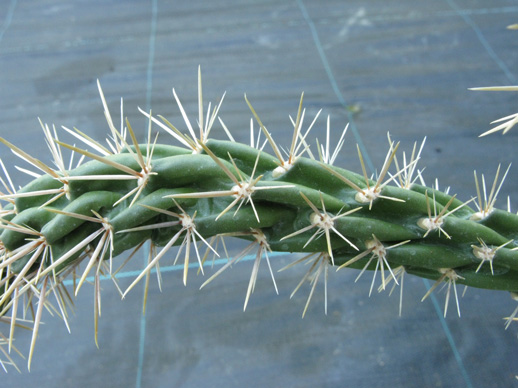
(407, 66)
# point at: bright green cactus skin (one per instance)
(281, 212)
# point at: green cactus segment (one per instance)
(443, 199)
(243, 155)
(308, 173)
(465, 230)
(64, 224)
(141, 212)
(430, 256)
(244, 220)
(484, 278)
(159, 151)
(109, 178)
(189, 170)
(503, 222)
(28, 221)
(290, 194)
(65, 250)
(363, 228)
(505, 257)
(280, 208)
(28, 199)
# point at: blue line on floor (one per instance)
(469, 21)
(8, 18)
(449, 336)
(173, 268)
(334, 85)
(149, 91)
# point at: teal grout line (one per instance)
(370, 165)
(483, 41)
(449, 336)
(151, 59)
(149, 91)
(8, 18)
(334, 85)
(172, 268)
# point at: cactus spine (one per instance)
(206, 190)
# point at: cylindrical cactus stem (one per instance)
(313, 210)
(214, 189)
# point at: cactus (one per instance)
(197, 194)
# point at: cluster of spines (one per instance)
(283, 202)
